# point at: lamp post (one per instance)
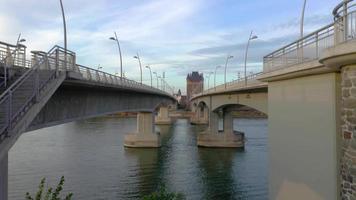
(252, 37)
(302, 20)
(155, 73)
(227, 60)
(139, 62)
(217, 67)
(65, 34)
(159, 77)
(208, 76)
(118, 45)
(148, 67)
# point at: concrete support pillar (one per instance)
(201, 116)
(348, 133)
(3, 177)
(228, 138)
(145, 136)
(163, 116)
(228, 123)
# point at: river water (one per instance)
(91, 156)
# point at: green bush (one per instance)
(50, 194)
(163, 194)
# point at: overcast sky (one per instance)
(175, 36)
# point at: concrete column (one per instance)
(3, 177)
(228, 123)
(163, 116)
(145, 136)
(213, 123)
(348, 133)
(212, 138)
(201, 116)
(205, 115)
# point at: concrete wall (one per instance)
(303, 137)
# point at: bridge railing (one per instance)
(310, 47)
(249, 81)
(91, 74)
(27, 89)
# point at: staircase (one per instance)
(28, 90)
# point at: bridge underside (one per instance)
(73, 101)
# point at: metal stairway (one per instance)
(27, 93)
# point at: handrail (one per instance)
(237, 81)
(310, 47)
(21, 78)
(300, 40)
(336, 11)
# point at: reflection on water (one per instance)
(96, 165)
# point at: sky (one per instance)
(172, 36)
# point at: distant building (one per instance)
(195, 84)
(182, 100)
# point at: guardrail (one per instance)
(310, 47)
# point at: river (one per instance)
(91, 156)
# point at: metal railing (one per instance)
(303, 50)
(11, 55)
(310, 47)
(27, 89)
(113, 80)
(235, 84)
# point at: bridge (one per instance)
(52, 89)
(308, 90)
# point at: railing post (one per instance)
(57, 62)
(37, 85)
(89, 75)
(317, 45)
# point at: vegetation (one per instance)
(163, 194)
(50, 194)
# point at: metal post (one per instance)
(215, 76)
(246, 52)
(118, 45)
(65, 35)
(227, 59)
(139, 62)
(302, 20)
(148, 67)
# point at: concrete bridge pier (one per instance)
(145, 136)
(3, 177)
(201, 116)
(163, 116)
(213, 137)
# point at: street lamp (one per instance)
(139, 62)
(302, 20)
(118, 45)
(20, 40)
(65, 34)
(159, 77)
(227, 60)
(148, 67)
(208, 77)
(252, 37)
(155, 73)
(217, 67)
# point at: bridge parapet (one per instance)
(311, 47)
(250, 82)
